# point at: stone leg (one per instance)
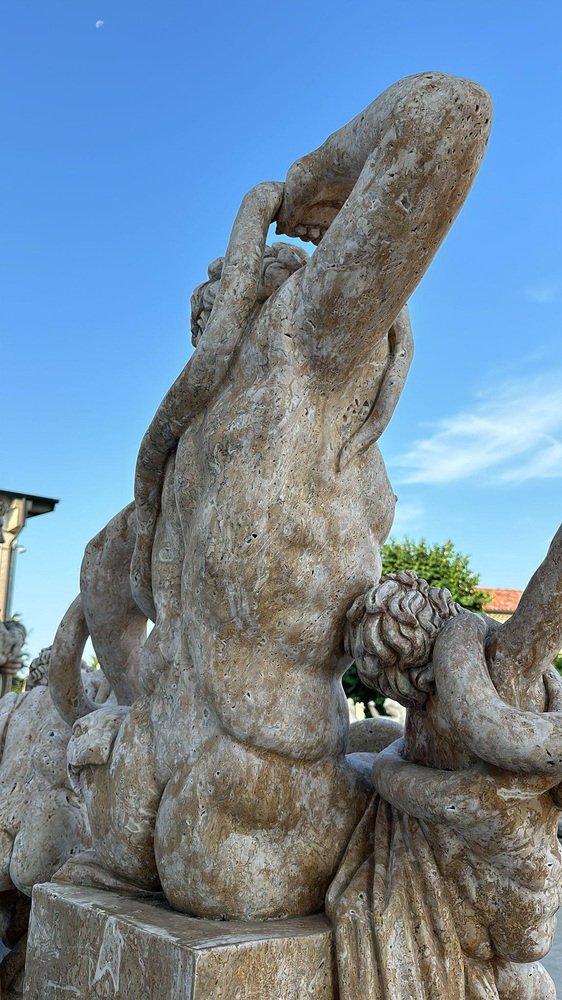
(121, 793)
(529, 981)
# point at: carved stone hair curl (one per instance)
(391, 632)
(280, 260)
(39, 669)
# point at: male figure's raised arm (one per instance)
(384, 190)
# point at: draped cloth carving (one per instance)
(451, 882)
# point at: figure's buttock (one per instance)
(252, 835)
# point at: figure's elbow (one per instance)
(456, 115)
(449, 101)
(435, 129)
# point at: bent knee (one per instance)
(54, 829)
(529, 981)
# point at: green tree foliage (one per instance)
(442, 566)
(558, 663)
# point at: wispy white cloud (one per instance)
(99, 24)
(513, 433)
(546, 464)
(543, 292)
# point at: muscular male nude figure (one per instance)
(261, 502)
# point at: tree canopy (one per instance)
(441, 565)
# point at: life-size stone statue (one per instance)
(261, 502)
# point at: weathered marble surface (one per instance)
(42, 819)
(261, 501)
(90, 944)
(452, 880)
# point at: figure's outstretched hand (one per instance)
(93, 737)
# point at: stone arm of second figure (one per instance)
(524, 742)
(464, 800)
(496, 688)
(525, 646)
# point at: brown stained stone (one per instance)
(261, 502)
(94, 945)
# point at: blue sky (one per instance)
(127, 149)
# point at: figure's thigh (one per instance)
(122, 797)
(52, 829)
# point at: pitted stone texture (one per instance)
(43, 821)
(94, 945)
(451, 882)
(261, 503)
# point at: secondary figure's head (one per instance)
(279, 261)
(391, 632)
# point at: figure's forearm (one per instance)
(505, 736)
(533, 635)
(460, 799)
(344, 153)
(411, 116)
(427, 793)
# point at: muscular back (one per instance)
(261, 502)
(270, 563)
(281, 491)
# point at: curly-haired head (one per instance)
(280, 260)
(391, 632)
(39, 669)
(12, 638)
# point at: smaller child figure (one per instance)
(450, 885)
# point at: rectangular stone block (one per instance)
(91, 944)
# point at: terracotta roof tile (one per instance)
(504, 601)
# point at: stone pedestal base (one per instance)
(88, 943)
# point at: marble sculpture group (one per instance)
(193, 766)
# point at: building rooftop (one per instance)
(502, 601)
(35, 505)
